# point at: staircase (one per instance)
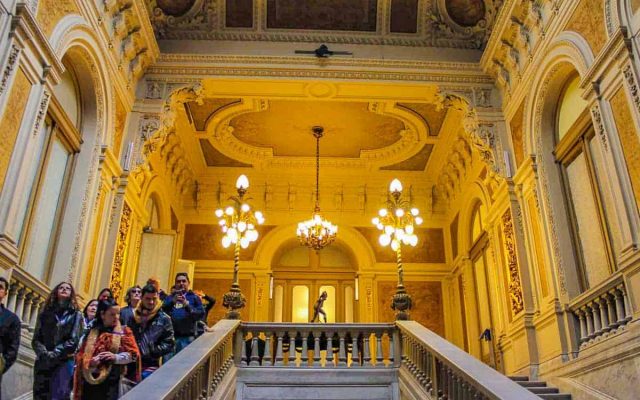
(275, 361)
(540, 388)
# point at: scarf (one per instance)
(142, 319)
(120, 340)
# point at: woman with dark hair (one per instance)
(89, 314)
(104, 356)
(58, 330)
(105, 294)
(132, 298)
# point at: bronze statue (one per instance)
(317, 308)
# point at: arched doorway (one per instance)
(300, 275)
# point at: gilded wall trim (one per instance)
(514, 285)
(120, 257)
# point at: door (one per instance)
(485, 317)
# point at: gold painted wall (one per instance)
(628, 138)
(11, 120)
(430, 248)
(121, 119)
(204, 242)
(50, 12)
(427, 303)
(588, 20)
(217, 288)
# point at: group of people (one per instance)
(101, 352)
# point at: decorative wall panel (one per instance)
(11, 120)
(50, 12)
(628, 138)
(427, 303)
(122, 245)
(588, 20)
(239, 13)
(216, 288)
(430, 248)
(513, 272)
(517, 135)
(204, 242)
(404, 16)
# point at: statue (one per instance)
(317, 308)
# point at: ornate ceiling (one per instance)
(422, 23)
(236, 132)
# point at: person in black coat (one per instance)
(152, 329)
(9, 333)
(55, 340)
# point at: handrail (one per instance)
(446, 371)
(192, 373)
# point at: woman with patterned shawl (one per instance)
(105, 354)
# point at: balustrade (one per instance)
(25, 298)
(601, 311)
(316, 345)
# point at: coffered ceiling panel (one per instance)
(431, 23)
(429, 113)
(199, 114)
(285, 126)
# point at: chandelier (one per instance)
(317, 232)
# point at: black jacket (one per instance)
(155, 338)
(56, 337)
(9, 337)
(126, 315)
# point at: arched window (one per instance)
(61, 141)
(576, 155)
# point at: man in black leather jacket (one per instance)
(152, 329)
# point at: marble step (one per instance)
(540, 388)
(529, 384)
(556, 396)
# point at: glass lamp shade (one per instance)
(242, 182)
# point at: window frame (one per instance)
(575, 142)
(63, 129)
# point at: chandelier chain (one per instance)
(317, 171)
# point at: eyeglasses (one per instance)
(136, 291)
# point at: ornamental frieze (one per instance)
(514, 284)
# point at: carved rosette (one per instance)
(514, 285)
(121, 250)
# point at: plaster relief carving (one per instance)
(121, 250)
(514, 285)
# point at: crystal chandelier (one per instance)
(397, 221)
(317, 232)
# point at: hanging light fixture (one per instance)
(317, 232)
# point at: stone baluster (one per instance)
(412, 356)
(366, 351)
(316, 349)
(379, 355)
(392, 355)
(619, 307)
(305, 350)
(20, 300)
(604, 321)
(611, 309)
(583, 325)
(243, 350)
(329, 357)
(26, 312)
(35, 311)
(627, 305)
(266, 357)
(595, 314)
(255, 357)
(279, 356)
(422, 376)
(588, 317)
(342, 350)
(11, 296)
(291, 362)
(429, 372)
(355, 359)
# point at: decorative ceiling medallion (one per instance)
(175, 8)
(320, 90)
(466, 13)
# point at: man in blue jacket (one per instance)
(185, 309)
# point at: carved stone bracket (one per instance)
(598, 124)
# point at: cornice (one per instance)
(198, 66)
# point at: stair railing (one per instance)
(445, 371)
(197, 372)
